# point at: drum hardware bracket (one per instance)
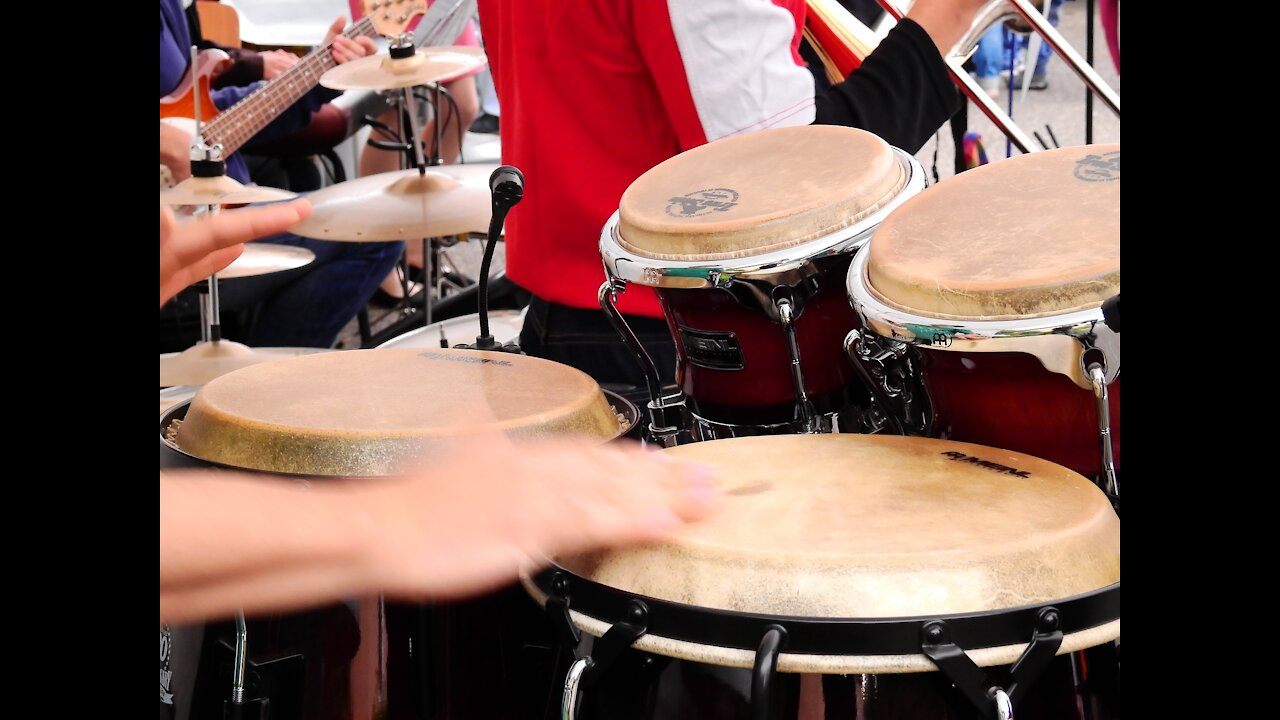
(248, 710)
(875, 364)
(763, 671)
(587, 669)
(662, 430)
(806, 414)
(992, 700)
(1110, 482)
(237, 708)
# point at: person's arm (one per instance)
(297, 115)
(901, 92)
(726, 67)
(233, 541)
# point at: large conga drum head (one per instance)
(374, 412)
(831, 527)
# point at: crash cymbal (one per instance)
(260, 258)
(427, 65)
(220, 190)
(401, 205)
(205, 361)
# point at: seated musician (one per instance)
(309, 307)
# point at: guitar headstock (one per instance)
(392, 17)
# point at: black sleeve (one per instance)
(902, 92)
(246, 68)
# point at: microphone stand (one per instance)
(507, 187)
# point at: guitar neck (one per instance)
(240, 122)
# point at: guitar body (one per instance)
(181, 103)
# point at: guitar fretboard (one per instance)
(247, 118)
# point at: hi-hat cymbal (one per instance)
(427, 65)
(220, 190)
(260, 258)
(401, 205)
(205, 361)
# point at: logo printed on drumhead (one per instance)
(961, 457)
(1099, 168)
(464, 359)
(702, 202)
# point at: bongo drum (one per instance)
(853, 576)
(746, 241)
(359, 415)
(990, 287)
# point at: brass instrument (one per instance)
(842, 42)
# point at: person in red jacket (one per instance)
(594, 96)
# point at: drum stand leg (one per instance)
(663, 428)
(1110, 483)
(806, 415)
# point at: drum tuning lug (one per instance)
(617, 639)
(1050, 620)
(763, 672)
(973, 682)
(557, 609)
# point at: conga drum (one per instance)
(352, 417)
(746, 241)
(991, 285)
(853, 576)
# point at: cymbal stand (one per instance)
(206, 161)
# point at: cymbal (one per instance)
(427, 65)
(220, 190)
(205, 361)
(260, 258)
(402, 205)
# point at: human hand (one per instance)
(472, 522)
(175, 151)
(344, 48)
(275, 62)
(191, 250)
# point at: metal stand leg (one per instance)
(805, 412)
(1110, 482)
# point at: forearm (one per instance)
(230, 541)
(902, 92)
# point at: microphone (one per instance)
(506, 185)
(1111, 313)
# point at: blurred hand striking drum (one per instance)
(358, 416)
